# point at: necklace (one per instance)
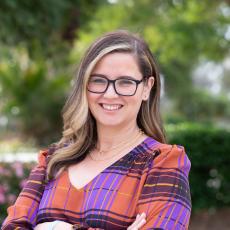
(140, 132)
(120, 147)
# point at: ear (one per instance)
(147, 88)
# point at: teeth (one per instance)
(111, 107)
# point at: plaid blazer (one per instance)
(152, 178)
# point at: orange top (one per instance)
(152, 178)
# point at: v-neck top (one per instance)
(151, 178)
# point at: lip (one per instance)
(111, 107)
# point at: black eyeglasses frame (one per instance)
(113, 83)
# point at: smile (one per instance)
(110, 107)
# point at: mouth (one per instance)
(110, 107)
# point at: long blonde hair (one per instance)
(79, 131)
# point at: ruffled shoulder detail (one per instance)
(172, 156)
(42, 157)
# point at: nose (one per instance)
(110, 92)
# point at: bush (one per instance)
(208, 149)
(33, 93)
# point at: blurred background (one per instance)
(41, 43)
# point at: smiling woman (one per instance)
(116, 89)
(112, 169)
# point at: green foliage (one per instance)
(43, 23)
(201, 105)
(208, 149)
(34, 93)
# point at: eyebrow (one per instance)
(119, 77)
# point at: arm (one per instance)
(165, 196)
(60, 225)
(22, 215)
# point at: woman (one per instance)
(112, 169)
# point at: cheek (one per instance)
(134, 104)
(91, 98)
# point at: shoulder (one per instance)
(44, 155)
(167, 156)
(173, 156)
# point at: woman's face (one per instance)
(110, 108)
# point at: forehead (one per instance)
(117, 64)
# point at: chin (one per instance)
(110, 122)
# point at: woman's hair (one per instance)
(79, 131)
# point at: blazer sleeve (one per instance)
(22, 215)
(165, 195)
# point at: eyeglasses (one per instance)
(123, 86)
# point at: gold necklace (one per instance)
(140, 132)
(125, 145)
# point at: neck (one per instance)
(108, 137)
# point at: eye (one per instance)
(97, 80)
(125, 82)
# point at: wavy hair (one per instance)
(79, 130)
